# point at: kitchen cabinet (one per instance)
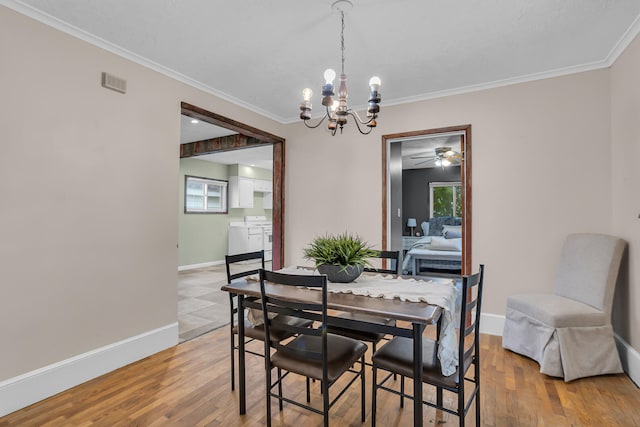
(240, 192)
(267, 200)
(262, 186)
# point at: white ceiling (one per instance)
(191, 131)
(261, 157)
(419, 152)
(261, 54)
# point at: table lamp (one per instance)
(411, 223)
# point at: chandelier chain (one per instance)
(342, 40)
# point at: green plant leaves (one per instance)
(343, 249)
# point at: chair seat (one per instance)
(358, 334)
(397, 356)
(343, 353)
(257, 332)
(557, 311)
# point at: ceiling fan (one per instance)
(443, 156)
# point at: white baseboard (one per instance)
(201, 265)
(26, 389)
(630, 359)
(491, 324)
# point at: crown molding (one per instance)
(117, 50)
(54, 22)
(623, 42)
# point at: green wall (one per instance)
(203, 237)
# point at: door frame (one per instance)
(465, 179)
(248, 137)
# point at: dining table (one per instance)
(412, 317)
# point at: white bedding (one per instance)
(435, 248)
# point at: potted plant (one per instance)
(341, 257)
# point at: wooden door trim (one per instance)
(250, 137)
(465, 178)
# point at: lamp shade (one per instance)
(411, 222)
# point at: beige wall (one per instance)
(88, 259)
(541, 170)
(625, 137)
(88, 179)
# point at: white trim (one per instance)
(26, 389)
(624, 42)
(630, 359)
(201, 265)
(491, 324)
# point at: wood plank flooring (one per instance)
(189, 385)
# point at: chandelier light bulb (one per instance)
(329, 76)
(374, 83)
(438, 162)
(306, 94)
(445, 162)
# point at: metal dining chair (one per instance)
(393, 257)
(313, 353)
(251, 331)
(396, 357)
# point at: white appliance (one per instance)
(254, 234)
(267, 242)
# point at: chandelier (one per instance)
(337, 111)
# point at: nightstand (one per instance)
(408, 241)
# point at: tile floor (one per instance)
(202, 306)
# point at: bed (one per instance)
(440, 251)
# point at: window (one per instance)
(203, 195)
(445, 199)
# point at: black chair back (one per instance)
(231, 262)
(273, 305)
(469, 349)
(394, 263)
(249, 256)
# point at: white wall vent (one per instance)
(114, 83)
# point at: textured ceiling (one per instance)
(261, 54)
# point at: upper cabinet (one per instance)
(262, 186)
(240, 192)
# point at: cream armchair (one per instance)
(569, 333)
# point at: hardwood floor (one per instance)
(188, 385)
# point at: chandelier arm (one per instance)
(357, 122)
(357, 117)
(316, 125)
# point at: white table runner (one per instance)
(440, 292)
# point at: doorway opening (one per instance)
(422, 171)
(243, 137)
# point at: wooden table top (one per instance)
(414, 312)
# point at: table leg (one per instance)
(241, 362)
(417, 374)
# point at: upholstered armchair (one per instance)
(569, 333)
